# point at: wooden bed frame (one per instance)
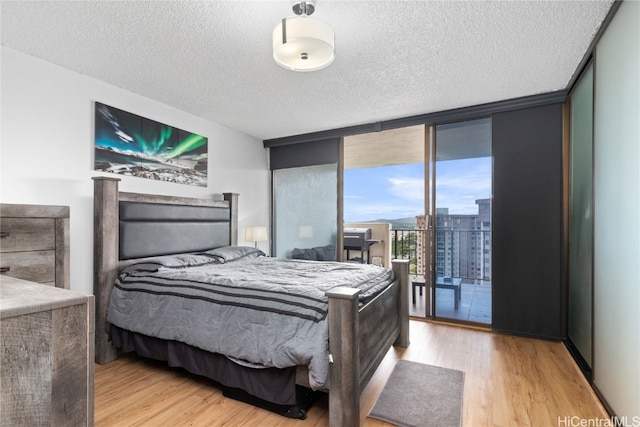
(359, 337)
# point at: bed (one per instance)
(137, 234)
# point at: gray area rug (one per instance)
(419, 395)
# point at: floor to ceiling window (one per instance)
(384, 190)
(385, 182)
(305, 212)
(305, 199)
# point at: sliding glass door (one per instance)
(462, 235)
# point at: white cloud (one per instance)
(460, 183)
(407, 188)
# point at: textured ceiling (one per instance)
(394, 58)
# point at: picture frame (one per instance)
(128, 144)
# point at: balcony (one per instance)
(462, 256)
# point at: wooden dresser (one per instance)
(34, 243)
(46, 355)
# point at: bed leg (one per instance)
(401, 270)
(344, 371)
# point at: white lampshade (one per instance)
(301, 43)
(255, 234)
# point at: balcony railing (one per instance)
(461, 253)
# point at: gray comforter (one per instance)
(260, 312)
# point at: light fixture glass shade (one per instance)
(301, 43)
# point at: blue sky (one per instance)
(390, 192)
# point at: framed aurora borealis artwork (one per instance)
(128, 144)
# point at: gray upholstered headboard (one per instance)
(151, 229)
(129, 226)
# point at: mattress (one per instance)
(258, 311)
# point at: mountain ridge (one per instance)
(408, 222)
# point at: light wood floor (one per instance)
(508, 381)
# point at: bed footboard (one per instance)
(347, 376)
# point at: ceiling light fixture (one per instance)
(301, 43)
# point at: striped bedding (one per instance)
(259, 311)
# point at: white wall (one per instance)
(616, 273)
(46, 151)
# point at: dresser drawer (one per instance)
(34, 266)
(34, 243)
(27, 234)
